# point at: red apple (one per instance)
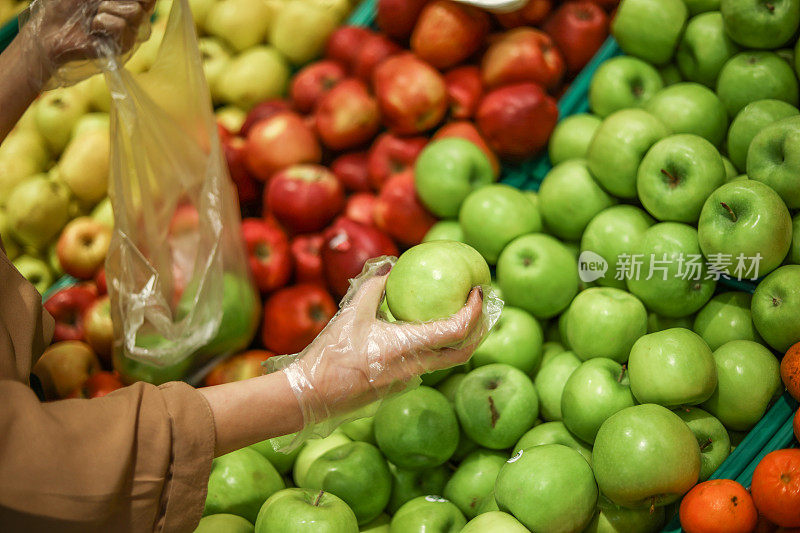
(245, 365)
(347, 247)
(65, 366)
(390, 155)
(447, 33)
(247, 188)
(263, 111)
(351, 170)
(100, 281)
(347, 116)
(579, 29)
(344, 44)
(411, 94)
(304, 198)
(464, 90)
(373, 51)
(466, 130)
(306, 257)
(294, 316)
(399, 212)
(82, 247)
(313, 81)
(520, 55)
(68, 306)
(98, 385)
(361, 208)
(267, 253)
(517, 120)
(396, 18)
(99, 329)
(532, 14)
(279, 141)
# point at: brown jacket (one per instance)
(135, 460)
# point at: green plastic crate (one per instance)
(7, 33)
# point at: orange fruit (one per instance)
(776, 487)
(718, 506)
(790, 371)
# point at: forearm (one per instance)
(21, 82)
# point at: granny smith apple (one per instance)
(494, 522)
(596, 390)
(305, 511)
(571, 137)
(538, 274)
(691, 108)
(257, 74)
(656, 322)
(605, 322)
(748, 377)
(704, 48)
(240, 482)
(548, 488)
(731, 173)
(645, 456)
(712, 437)
(269, 448)
(794, 251)
(620, 83)
(449, 386)
(549, 350)
(550, 382)
(446, 172)
(132, 370)
(670, 74)
(666, 270)
(312, 449)
(473, 481)
(410, 484)
(649, 29)
(360, 429)
(776, 306)
(516, 340)
(611, 234)
(417, 429)
(553, 433)
(379, 525)
(701, 6)
(677, 175)
(570, 197)
(37, 210)
(496, 404)
(223, 523)
(358, 474)
(743, 220)
(763, 25)
(672, 367)
(428, 513)
(445, 230)
(754, 117)
(618, 147)
(772, 159)
(611, 518)
(34, 270)
(433, 280)
(751, 76)
(726, 317)
(495, 215)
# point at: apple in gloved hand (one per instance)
(620, 83)
(712, 437)
(770, 159)
(428, 513)
(297, 510)
(649, 29)
(726, 317)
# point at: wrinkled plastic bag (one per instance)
(364, 355)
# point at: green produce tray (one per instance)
(7, 33)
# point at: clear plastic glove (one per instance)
(360, 357)
(67, 36)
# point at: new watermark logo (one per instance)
(689, 267)
(591, 266)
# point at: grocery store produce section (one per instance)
(624, 176)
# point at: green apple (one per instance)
(240, 23)
(726, 317)
(269, 449)
(428, 513)
(570, 197)
(611, 518)
(255, 75)
(449, 386)
(596, 390)
(239, 484)
(731, 173)
(223, 523)
(794, 251)
(301, 29)
(669, 255)
(433, 280)
(57, 111)
(649, 29)
(496, 404)
(748, 379)
(691, 108)
(216, 56)
(771, 159)
(132, 370)
(37, 210)
(23, 154)
(84, 166)
(645, 456)
(445, 230)
(515, 340)
(90, 122)
(379, 525)
(410, 484)
(763, 25)
(360, 429)
(712, 437)
(656, 322)
(620, 83)
(549, 350)
(494, 522)
(231, 117)
(550, 382)
(670, 74)
(743, 220)
(417, 429)
(677, 176)
(34, 270)
(571, 137)
(605, 322)
(704, 48)
(549, 488)
(553, 433)
(611, 234)
(313, 449)
(619, 146)
(538, 274)
(754, 117)
(473, 481)
(701, 6)
(103, 213)
(751, 76)
(495, 215)
(446, 171)
(305, 511)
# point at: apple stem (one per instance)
(730, 211)
(319, 498)
(706, 444)
(622, 374)
(652, 504)
(770, 6)
(673, 181)
(493, 410)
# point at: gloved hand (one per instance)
(361, 357)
